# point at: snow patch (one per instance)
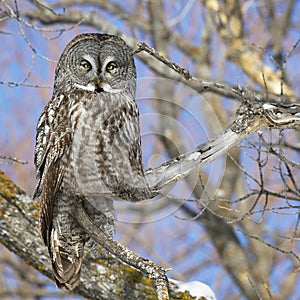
(195, 288)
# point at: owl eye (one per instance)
(111, 66)
(85, 65)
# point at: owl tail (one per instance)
(66, 261)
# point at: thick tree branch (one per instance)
(103, 279)
(250, 117)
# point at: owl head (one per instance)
(96, 63)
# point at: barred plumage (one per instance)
(87, 147)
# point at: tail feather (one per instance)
(66, 239)
(67, 273)
(66, 260)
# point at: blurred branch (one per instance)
(278, 27)
(12, 160)
(134, 20)
(228, 20)
(93, 19)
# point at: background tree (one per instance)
(233, 224)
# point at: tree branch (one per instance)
(103, 279)
(251, 115)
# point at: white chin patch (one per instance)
(107, 88)
(89, 87)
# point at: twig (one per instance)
(144, 47)
(13, 159)
(15, 84)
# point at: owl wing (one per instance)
(52, 143)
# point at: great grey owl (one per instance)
(87, 147)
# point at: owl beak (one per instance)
(98, 86)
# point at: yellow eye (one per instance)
(111, 66)
(85, 65)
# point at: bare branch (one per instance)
(171, 65)
(249, 118)
(9, 159)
